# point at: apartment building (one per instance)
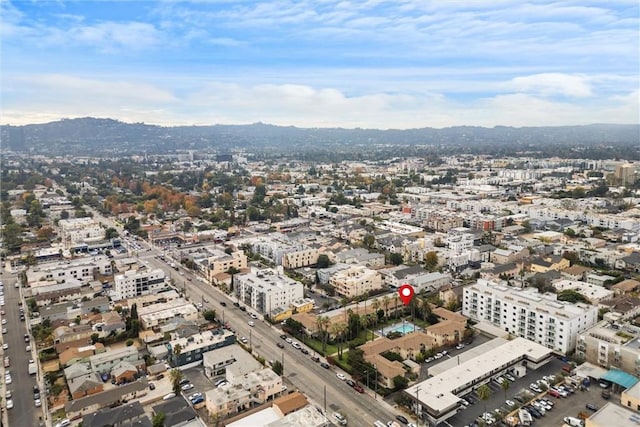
(155, 315)
(285, 251)
(355, 280)
(104, 362)
(134, 283)
(83, 269)
(192, 349)
(231, 361)
(76, 231)
(214, 261)
(267, 290)
(528, 314)
(612, 346)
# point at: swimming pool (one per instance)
(404, 328)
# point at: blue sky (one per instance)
(322, 63)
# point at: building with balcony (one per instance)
(528, 314)
(76, 231)
(267, 290)
(134, 283)
(355, 280)
(82, 269)
(190, 350)
(611, 345)
(154, 315)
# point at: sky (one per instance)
(322, 63)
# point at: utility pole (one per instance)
(250, 342)
(282, 363)
(325, 400)
(418, 406)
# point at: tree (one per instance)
(400, 382)
(158, 419)
(176, 376)
(322, 323)
(395, 258)
(177, 349)
(572, 296)
(505, 387)
(110, 233)
(484, 393)
(209, 315)
(369, 241)
(431, 261)
(323, 261)
(277, 367)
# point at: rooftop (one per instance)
(612, 414)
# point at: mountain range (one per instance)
(93, 136)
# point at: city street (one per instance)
(24, 412)
(300, 371)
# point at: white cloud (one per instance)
(547, 84)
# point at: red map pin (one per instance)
(406, 293)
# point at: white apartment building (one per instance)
(355, 280)
(528, 314)
(76, 231)
(82, 269)
(134, 283)
(154, 315)
(267, 290)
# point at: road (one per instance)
(304, 374)
(24, 412)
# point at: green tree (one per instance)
(484, 393)
(176, 376)
(158, 419)
(572, 296)
(277, 367)
(110, 233)
(400, 382)
(209, 315)
(323, 261)
(12, 237)
(505, 387)
(395, 258)
(431, 260)
(369, 241)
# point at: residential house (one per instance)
(552, 262)
(130, 414)
(104, 362)
(85, 385)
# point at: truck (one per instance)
(33, 369)
(525, 417)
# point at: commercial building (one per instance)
(134, 283)
(192, 348)
(82, 269)
(355, 280)
(612, 414)
(529, 314)
(438, 398)
(267, 290)
(232, 361)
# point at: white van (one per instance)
(379, 423)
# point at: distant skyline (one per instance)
(322, 63)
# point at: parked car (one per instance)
(325, 365)
(315, 358)
(186, 387)
(510, 403)
(358, 388)
(280, 345)
(341, 376)
(169, 396)
(591, 407)
(351, 382)
(402, 419)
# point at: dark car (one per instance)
(518, 398)
(222, 303)
(591, 407)
(184, 381)
(283, 336)
(315, 358)
(236, 304)
(36, 389)
(358, 388)
(304, 351)
(280, 345)
(533, 411)
(606, 394)
(402, 419)
(152, 386)
(325, 365)
(243, 308)
(351, 383)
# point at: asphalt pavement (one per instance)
(24, 412)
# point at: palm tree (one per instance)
(386, 300)
(484, 393)
(176, 376)
(323, 322)
(505, 387)
(375, 305)
(338, 330)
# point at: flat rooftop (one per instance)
(615, 415)
(437, 393)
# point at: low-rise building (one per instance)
(104, 362)
(232, 361)
(82, 269)
(159, 314)
(594, 293)
(611, 345)
(76, 231)
(439, 397)
(192, 348)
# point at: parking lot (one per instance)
(497, 398)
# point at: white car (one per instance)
(38, 403)
(510, 403)
(459, 346)
(8, 379)
(5, 346)
(195, 395)
(283, 388)
(251, 323)
(9, 404)
(4, 321)
(186, 387)
(341, 376)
